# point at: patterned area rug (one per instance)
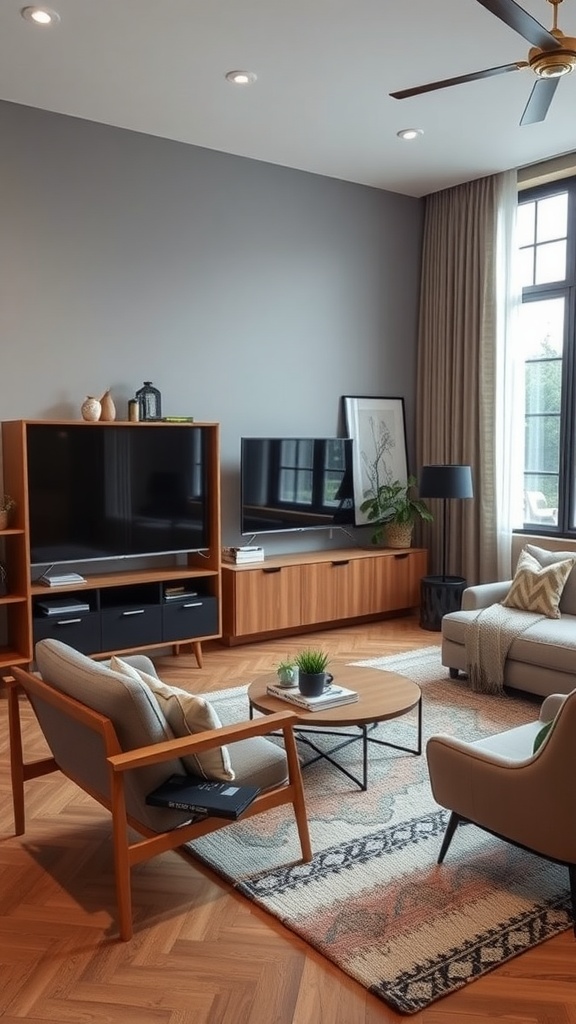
(373, 900)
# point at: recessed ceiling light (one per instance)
(241, 77)
(408, 134)
(40, 15)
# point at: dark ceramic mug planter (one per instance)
(313, 684)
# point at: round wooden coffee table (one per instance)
(381, 696)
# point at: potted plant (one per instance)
(287, 673)
(312, 675)
(6, 505)
(394, 510)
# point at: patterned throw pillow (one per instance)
(186, 714)
(537, 588)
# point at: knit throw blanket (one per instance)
(489, 637)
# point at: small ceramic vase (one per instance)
(107, 407)
(91, 409)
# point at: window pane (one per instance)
(543, 387)
(540, 500)
(526, 267)
(525, 224)
(542, 333)
(552, 217)
(551, 262)
(542, 328)
(542, 444)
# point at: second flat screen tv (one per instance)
(295, 484)
(99, 492)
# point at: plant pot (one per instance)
(288, 676)
(398, 535)
(4, 516)
(313, 684)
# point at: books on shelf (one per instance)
(332, 697)
(63, 606)
(64, 579)
(203, 796)
(179, 593)
(243, 554)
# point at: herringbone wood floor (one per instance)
(201, 954)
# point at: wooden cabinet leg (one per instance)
(196, 647)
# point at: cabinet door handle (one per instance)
(405, 555)
(67, 622)
(272, 569)
(192, 604)
(135, 611)
(344, 562)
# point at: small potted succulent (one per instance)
(6, 505)
(312, 675)
(287, 673)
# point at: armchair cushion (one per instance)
(537, 588)
(186, 714)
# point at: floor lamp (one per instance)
(442, 594)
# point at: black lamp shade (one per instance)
(446, 482)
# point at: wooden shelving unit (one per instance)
(160, 623)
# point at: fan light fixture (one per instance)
(408, 134)
(40, 15)
(241, 77)
(551, 57)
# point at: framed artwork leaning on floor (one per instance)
(378, 428)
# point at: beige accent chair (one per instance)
(500, 785)
(107, 733)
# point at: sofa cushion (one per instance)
(187, 714)
(545, 558)
(549, 643)
(537, 588)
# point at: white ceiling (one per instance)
(325, 69)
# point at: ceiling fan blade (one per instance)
(517, 18)
(473, 77)
(539, 100)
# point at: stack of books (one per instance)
(332, 697)
(63, 606)
(242, 555)
(64, 579)
(178, 592)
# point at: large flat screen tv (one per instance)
(98, 492)
(295, 483)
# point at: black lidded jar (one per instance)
(149, 402)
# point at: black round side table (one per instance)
(438, 596)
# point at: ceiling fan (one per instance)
(552, 55)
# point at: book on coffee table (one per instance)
(332, 697)
(203, 796)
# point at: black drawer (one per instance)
(132, 625)
(184, 620)
(82, 632)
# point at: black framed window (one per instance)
(547, 260)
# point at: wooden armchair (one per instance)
(103, 754)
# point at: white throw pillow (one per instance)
(187, 714)
(537, 588)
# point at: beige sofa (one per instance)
(543, 659)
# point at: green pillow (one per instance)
(541, 736)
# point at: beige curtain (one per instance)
(456, 382)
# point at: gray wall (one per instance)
(250, 294)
